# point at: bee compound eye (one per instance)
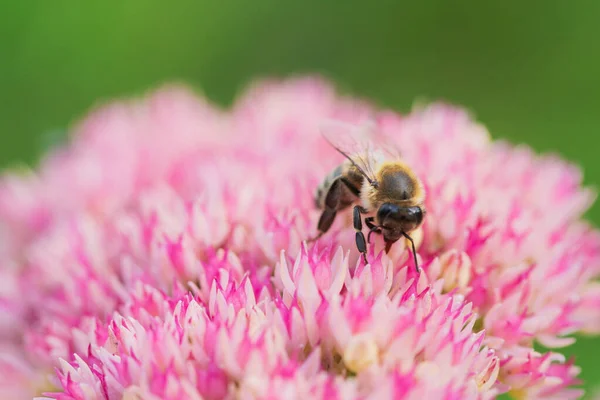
(418, 215)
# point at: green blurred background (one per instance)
(529, 70)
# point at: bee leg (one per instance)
(378, 231)
(370, 224)
(325, 222)
(332, 202)
(414, 251)
(372, 228)
(361, 243)
(315, 238)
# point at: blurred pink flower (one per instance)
(160, 255)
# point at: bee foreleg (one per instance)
(414, 251)
(372, 228)
(361, 243)
(371, 232)
(370, 224)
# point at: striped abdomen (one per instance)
(350, 190)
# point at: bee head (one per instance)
(395, 219)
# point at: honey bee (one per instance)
(376, 181)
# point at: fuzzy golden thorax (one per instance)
(396, 184)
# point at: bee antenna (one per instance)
(414, 251)
(372, 182)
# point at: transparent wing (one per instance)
(360, 143)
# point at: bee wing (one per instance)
(382, 145)
(356, 143)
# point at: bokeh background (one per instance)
(529, 70)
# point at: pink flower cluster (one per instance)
(161, 254)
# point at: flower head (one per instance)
(162, 254)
